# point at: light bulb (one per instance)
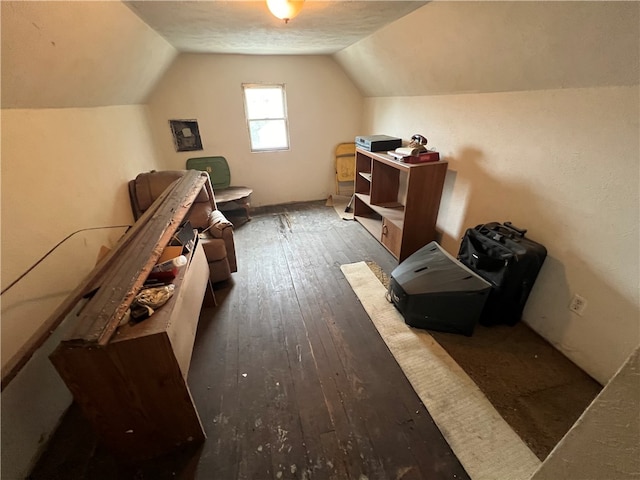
(285, 9)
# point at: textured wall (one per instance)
(324, 109)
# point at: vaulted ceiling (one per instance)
(58, 54)
(247, 27)
(95, 53)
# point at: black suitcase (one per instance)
(502, 255)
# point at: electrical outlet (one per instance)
(578, 304)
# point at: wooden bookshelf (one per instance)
(398, 202)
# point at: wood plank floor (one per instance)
(289, 375)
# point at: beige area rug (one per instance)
(485, 444)
(339, 203)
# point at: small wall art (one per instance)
(186, 136)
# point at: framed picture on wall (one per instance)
(186, 136)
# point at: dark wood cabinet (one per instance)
(133, 390)
(130, 379)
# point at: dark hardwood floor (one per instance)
(289, 375)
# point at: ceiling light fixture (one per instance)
(285, 9)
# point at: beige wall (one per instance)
(530, 157)
(324, 109)
(62, 170)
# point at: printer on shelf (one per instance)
(378, 143)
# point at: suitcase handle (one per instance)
(520, 231)
(490, 230)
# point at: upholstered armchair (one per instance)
(216, 232)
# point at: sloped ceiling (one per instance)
(478, 47)
(58, 54)
(96, 53)
(78, 54)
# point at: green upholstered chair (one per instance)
(227, 197)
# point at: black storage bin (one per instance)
(433, 290)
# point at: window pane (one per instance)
(266, 116)
(268, 134)
(264, 102)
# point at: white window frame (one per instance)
(284, 119)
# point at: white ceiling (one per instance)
(247, 27)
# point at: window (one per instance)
(266, 111)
